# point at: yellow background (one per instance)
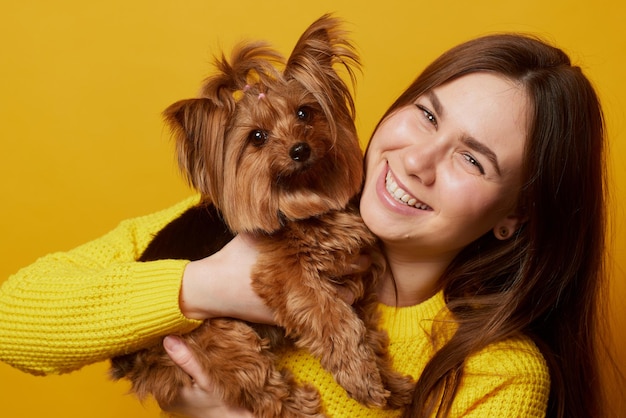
(82, 145)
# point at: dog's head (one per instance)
(270, 141)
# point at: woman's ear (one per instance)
(506, 227)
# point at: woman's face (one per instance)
(445, 170)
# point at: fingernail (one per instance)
(171, 343)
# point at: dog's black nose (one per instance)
(300, 152)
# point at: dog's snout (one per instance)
(300, 152)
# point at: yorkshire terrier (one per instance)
(272, 148)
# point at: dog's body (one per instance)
(276, 154)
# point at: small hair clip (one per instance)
(238, 95)
(261, 96)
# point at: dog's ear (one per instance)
(198, 126)
(312, 63)
(323, 49)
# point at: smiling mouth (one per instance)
(401, 196)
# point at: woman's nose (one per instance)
(421, 161)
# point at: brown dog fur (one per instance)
(273, 150)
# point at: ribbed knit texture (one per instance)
(509, 379)
(71, 309)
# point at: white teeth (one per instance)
(402, 196)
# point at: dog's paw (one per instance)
(401, 388)
(304, 402)
(370, 395)
(364, 384)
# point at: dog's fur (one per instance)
(272, 148)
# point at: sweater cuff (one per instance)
(153, 302)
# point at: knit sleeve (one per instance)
(508, 379)
(74, 308)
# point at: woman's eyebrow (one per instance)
(434, 100)
(483, 149)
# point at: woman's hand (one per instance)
(220, 285)
(200, 400)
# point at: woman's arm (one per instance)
(238, 300)
(220, 285)
(70, 309)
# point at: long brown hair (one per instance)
(545, 281)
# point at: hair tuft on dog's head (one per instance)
(270, 141)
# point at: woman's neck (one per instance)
(410, 280)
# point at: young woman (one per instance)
(485, 184)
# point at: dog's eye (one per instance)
(258, 137)
(304, 113)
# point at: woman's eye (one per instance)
(428, 115)
(258, 137)
(474, 162)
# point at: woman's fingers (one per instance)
(200, 400)
(184, 358)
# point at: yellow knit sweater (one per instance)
(71, 309)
